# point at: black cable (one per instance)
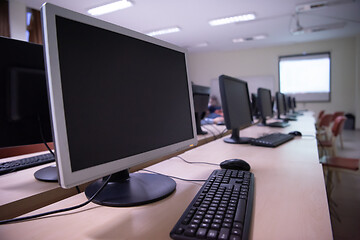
(56, 211)
(78, 189)
(213, 164)
(42, 135)
(182, 179)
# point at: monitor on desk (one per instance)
(118, 99)
(201, 95)
(264, 104)
(24, 118)
(236, 107)
(280, 104)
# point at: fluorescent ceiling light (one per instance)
(111, 7)
(233, 19)
(246, 39)
(164, 31)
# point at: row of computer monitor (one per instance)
(112, 99)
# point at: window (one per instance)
(306, 77)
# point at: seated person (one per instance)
(215, 114)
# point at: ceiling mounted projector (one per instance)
(320, 4)
(301, 30)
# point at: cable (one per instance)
(56, 211)
(182, 179)
(209, 131)
(42, 135)
(213, 164)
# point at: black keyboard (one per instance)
(222, 209)
(12, 166)
(271, 140)
(278, 124)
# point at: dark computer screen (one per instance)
(236, 106)
(201, 95)
(24, 109)
(280, 104)
(118, 99)
(254, 105)
(265, 104)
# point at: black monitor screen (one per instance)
(236, 103)
(119, 92)
(264, 103)
(24, 109)
(280, 103)
(201, 95)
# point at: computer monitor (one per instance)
(24, 107)
(289, 103)
(254, 105)
(118, 99)
(264, 104)
(280, 104)
(24, 118)
(236, 107)
(201, 95)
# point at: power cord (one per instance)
(182, 179)
(213, 164)
(13, 220)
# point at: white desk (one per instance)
(290, 198)
(20, 192)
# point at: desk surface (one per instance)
(290, 198)
(22, 193)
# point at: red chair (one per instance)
(324, 126)
(336, 130)
(336, 114)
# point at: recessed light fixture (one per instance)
(246, 39)
(164, 31)
(233, 19)
(111, 7)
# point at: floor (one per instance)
(345, 196)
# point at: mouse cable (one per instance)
(13, 220)
(212, 133)
(213, 164)
(182, 179)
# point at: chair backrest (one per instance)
(336, 114)
(325, 120)
(338, 125)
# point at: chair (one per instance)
(336, 130)
(336, 164)
(336, 114)
(323, 126)
(321, 113)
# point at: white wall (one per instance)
(17, 20)
(203, 67)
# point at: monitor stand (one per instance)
(47, 174)
(199, 131)
(236, 139)
(126, 190)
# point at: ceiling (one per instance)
(274, 18)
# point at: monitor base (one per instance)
(126, 190)
(236, 139)
(47, 174)
(242, 140)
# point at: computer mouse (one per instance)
(235, 164)
(295, 133)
